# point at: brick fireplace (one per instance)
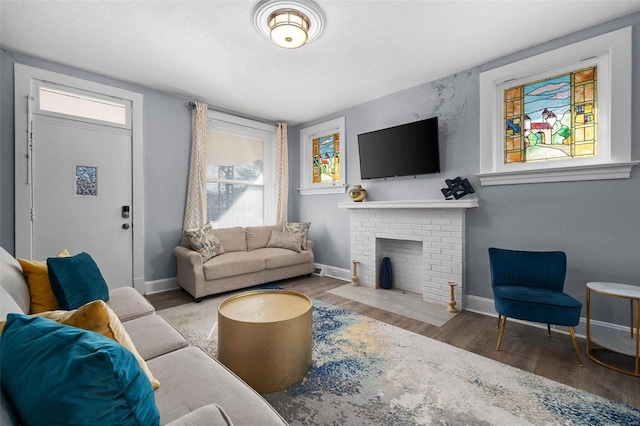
(425, 240)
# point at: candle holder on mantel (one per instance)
(354, 277)
(452, 300)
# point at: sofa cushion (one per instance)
(12, 280)
(77, 376)
(232, 264)
(210, 415)
(154, 336)
(258, 236)
(232, 239)
(191, 379)
(128, 303)
(96, 316)
(76, 280)
(205, 242)
(8, 305)
(300, 229)
(285, 240)
(275, 258)
(7, 414)
(40, 291)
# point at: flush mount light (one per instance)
(290, 24)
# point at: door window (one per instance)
(72, 103)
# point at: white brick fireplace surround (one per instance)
(425, 237)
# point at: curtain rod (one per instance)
(193, 105)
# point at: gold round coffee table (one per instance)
(264, 336)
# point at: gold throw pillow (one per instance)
(37, 277)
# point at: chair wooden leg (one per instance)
(549, 329)
(498, 324)
(503, 322)
(575, 345)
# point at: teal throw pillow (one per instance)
(55, 374)
(76, 281)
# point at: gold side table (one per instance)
(630, 345)
(264, 336)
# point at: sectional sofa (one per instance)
(194, 389)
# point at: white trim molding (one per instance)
(160, 286)
(611, 53)
(485, 306)
(334, 272)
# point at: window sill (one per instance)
(561, 174)
(341, 189)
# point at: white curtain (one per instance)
(195, 211)
(282, 173)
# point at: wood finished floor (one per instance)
(524, 347)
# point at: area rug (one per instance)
(368, 372)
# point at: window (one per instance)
(322, 158)
(85, 106)
(548, 118)
(551, 119)
(240, 182)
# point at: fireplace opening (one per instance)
(406, 263)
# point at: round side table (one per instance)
(264, 336)
(630, 345)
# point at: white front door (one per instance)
(78, 173)
(81, 190)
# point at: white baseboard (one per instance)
(158, 286)
(477, 304)
(485, 306)
(333, 272)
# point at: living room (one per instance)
(595, 222)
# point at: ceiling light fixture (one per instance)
(289, 23)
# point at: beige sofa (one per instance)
(195, 389)
(247, 261)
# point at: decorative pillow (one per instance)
(37, 276)
(76, 281)
(76, 376)
(298, 228)
(285, 240)
(98, 317)
(204, 241)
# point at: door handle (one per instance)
(126, 226)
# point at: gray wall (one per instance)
(597, 223)
(166, 145)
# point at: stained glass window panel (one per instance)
(326, 158)
(553, 118)
(86, 181)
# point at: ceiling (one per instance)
(211, 51)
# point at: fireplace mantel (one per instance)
(434, 229)
(412, 204)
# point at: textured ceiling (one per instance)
(211, 50)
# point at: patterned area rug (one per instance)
(369, 372)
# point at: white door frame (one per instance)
(24, 77)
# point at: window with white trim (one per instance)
(60, 101)
(550, 117)
(240, 178)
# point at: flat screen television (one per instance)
(407, 150)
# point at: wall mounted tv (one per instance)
(407, 150)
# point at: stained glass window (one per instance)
(86, 181)
(551, 119)
(326, 158)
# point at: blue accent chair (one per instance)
(527, 285)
